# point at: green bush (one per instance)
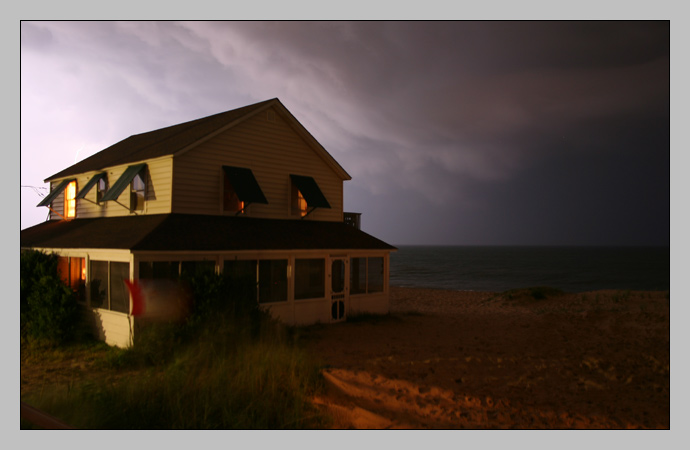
(48, 308)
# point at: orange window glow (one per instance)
(71, 200)
(301, 204)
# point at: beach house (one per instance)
(247, 193)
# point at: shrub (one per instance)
(53, 313)
(48, 308)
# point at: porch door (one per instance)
(339, 288)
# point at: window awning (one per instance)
(92, 182)
(55, 192)
(122, 182)
(310, 190)
(245, 185)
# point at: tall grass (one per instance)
(227, 371)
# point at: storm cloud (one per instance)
(453, 132)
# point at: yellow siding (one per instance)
(272, 150)
(112, 327)
(158, 197)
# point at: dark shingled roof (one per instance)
(161, 142)
(191, 232)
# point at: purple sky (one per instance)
(468, 133)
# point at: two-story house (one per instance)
(246, 193)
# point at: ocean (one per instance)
(499, 268)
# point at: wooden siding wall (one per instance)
(272, 150)
(158, 193)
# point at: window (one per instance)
(375, 274)
(272, 280)
(138, 191)
(366, 275)
(299, 203)
(305, 194)
(108, 289)
(72, 272)
(71, 200)
(101, 188)
(240, 189)
(358, 275)
(156, 270)
(242, 279)
(310, 276)
(196, 268)
(263, 280)
(231, 202)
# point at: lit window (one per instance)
(299, 203)
(306, 194)
(72, 271)
(138, 191)
(71, 200)
(231, 201)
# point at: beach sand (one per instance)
(478, 360)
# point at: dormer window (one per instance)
(101, 181)
(101, 188)
(71, 200)
(240, 189)
(138, 191)
(135, 177)
(68, 188)
(306, 195)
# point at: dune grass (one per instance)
(223, 374)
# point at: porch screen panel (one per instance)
(159, 270)
(241, 276)
(99, 284)
(358, 275)
(375, 275)
(119, 295)
(310, 278)
(272, 280)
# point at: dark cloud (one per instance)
(454, 132)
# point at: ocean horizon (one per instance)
(500, 268)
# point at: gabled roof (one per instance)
(192, 232)
(178, 138)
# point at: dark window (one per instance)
(310, 278)
(366, 275)
(358, 275)
(138, 191)
(108, 288)
(169, 270)
(241, 276)
(272, 280)
(375, 275)
(99, 284)
(194, 268)
(119, 294)
(101, 188)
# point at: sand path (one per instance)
(448, 360)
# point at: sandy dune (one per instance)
(445, 359)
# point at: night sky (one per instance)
(462, 133)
